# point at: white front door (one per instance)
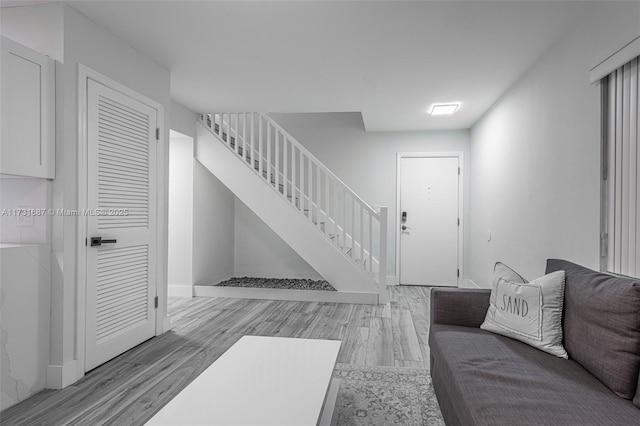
(121, 281)
(429, 201)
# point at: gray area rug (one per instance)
(372, 395)
(278, 283)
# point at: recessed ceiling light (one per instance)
(444, 109)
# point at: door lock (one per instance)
(98, 241)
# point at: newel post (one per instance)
(382, 270)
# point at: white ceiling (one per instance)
(388, 59)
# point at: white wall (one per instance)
(180, 244)
(24, 320)
(38, 27)
(260, 252)
(366, 161)
(183, 120)
(213, 228)
(535, 175)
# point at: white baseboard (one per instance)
(61, 376)
(180, 291)
(392, 280)
(293, 295)
(166, 324)
(469, 283)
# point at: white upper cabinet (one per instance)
(27, 91)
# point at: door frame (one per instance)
(85, 73)
(450, 154)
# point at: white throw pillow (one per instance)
(528, 311)
(503, 271)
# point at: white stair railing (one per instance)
(347, 221)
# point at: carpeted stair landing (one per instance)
(301, 290)
(278, 283)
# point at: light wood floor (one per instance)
(129, 389)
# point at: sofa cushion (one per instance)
(529, 312)
(602, 324)
(489, 379)
(458, 306)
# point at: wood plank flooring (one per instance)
(129, 389)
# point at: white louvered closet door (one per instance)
(121, 283)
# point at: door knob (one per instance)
(98, 241)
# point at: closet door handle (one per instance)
(98, 241)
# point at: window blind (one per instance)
(622, 169)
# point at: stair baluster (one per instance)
(362, 234)
(319, 197)
(344, 219)
(370, 241)
(251, 148)
(310, 182)
(285, 168)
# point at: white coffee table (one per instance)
(260, 381)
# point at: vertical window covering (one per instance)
(622, 170)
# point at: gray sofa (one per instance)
(481, 378)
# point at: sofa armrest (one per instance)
(459, 306)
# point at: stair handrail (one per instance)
(321, 164)
(315, 160)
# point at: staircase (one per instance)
(312, 210)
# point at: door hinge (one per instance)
(157, 133)
(155, 302)
(458, 221)
(458, 170)
(458, 275)
(604, 244)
